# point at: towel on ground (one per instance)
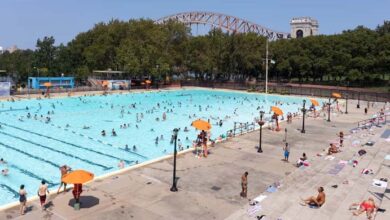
(379, 183)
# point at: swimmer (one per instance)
(121, 164)
(127, 147)
(2, 161)
(103, 133)
(113, 133)
(4, 172)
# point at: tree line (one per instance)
(142, 48)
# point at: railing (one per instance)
(296, 89)
(367, 123)
(241, 128)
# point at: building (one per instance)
(12, 49)
(303, 27)
(1, 50)
(56, 82)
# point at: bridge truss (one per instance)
(226, 22)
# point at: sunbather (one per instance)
(333, 149)
(367, 206)
(318, 200)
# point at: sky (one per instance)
(22, 22)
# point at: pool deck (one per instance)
(209, 188)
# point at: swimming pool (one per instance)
(35, 148)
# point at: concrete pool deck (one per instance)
(208, 188)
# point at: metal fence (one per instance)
(296, 89)
(376, 121)
(241, 128)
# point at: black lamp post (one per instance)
(261, 123)
(329, 110)
(346, 103)
(174, 187)
(303, 119)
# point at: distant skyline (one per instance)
(22, 22)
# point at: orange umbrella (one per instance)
(314, 102)
(77, 177)
(201, 125)
(277, 110)
(148, 81)
(336, 95)
(105, 83)
(47, 84)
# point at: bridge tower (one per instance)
(303, 27)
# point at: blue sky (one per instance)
(22, 22)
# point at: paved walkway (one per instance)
(209, 188)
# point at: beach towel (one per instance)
(362, 152)
(260, 198)
(329, 157)
(367, 171)
(336, 169)
(272, 189)
(379, 183)
(253, 210)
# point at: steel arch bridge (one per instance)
(225, 22)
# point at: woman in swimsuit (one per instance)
(22, 199)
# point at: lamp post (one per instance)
(328, 110)
(37, 70)
(174, 187)
(261, 123)
(303, 119)
(346, 103)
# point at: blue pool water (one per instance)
(34, 149)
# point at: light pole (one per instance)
(346, 103)
(37, 70)
(261, 123)
(328, 110)
(303, 119)
(174, 187)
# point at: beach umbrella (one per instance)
(277, 110)
(314, 102)
(201, 125)
(105, 83)
(336, 95)
(77, 177)
(47, 84)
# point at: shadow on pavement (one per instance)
(85, 201)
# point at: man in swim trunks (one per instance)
(64, 170)
(367, 206)
(315, 201)
(42, 193)
(244, 185)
